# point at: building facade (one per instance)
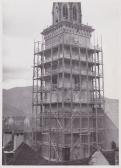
(68, 94)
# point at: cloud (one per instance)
(16, 83)
(17, 73)
(17, 58)
(25, 17)
(17, 51)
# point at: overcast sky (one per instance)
(23, 20)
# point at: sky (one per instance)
(24, 20)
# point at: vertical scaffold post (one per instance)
(87, 94)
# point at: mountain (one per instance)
(17, 101)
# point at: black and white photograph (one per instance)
(60, 82)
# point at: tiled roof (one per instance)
(110, 156)
(25, 155)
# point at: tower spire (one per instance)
(67, 11)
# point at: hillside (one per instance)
(17, 101)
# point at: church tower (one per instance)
(68, 94)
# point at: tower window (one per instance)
(65, 11)
(74, 13)
(76, 80)
(54, 80)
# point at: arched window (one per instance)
(65, 11)
(74, 13)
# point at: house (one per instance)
(104, 157)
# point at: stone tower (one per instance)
(68, 96)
